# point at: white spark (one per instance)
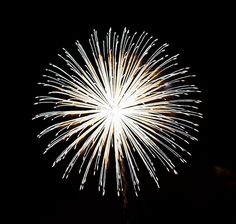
(127, 101)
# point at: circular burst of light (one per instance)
(126, 100)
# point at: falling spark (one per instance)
(127, 101)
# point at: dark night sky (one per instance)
(205, 188)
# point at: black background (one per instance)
(204, 190)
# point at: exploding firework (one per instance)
(131, 100)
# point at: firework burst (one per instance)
(125, 102)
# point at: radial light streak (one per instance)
(125, 102)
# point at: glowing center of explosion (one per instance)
(114, 115)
